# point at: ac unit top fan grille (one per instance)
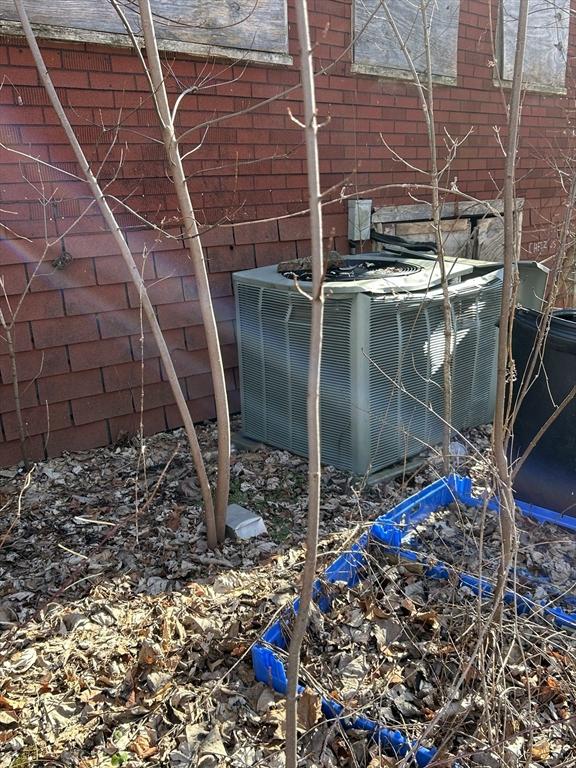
(368, 273)
(356, 269)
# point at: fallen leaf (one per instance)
(549, 690)
(213, 744)
(541, 750)
(276, 716)
(266, 700)
(11, 704)
(408, 605)
(429, 618)
(372, 610)
(141, 747)
(381, 761)
(6, 719)
(394, 675)
(149, 654)
(22, 661)
(173, 521)
(309, 709)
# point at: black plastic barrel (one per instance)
(548, 476)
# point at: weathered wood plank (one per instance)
(259, 25)
(484, 242)
(423, 229)
(423, 211)
(377, 46)
(490, 240)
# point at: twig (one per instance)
(15, 384)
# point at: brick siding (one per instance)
(78, 333)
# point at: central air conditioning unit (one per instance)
(381, 394)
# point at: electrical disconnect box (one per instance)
(359, 220)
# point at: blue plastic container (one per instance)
(390, 529)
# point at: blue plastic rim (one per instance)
(390, 529)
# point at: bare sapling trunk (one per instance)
(197, 257)
(7, 329)
(313, 401)
(426, 98)
(124, 249)
(509, 281)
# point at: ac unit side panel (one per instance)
(251, 360)
(275, 364)
(336, 377)
(466, 325)
(360, 384)
(384, 376)
(336, 403)
(407, 350)
(296, 378)
(483, 392)
(274, 341)
(403, 395)
(434, 350)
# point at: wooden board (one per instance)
(254, 25)
(377, 46)
(425, 229)
(546, 42)
(423, 211)
(484, 241)
(490, 240)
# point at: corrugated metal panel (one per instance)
(274, 339)
(251, 360)
(406, 344)
(335, 396)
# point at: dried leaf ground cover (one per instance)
(404, 650)
(123, 641)
(469, 539)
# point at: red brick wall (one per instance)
(78, 330)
